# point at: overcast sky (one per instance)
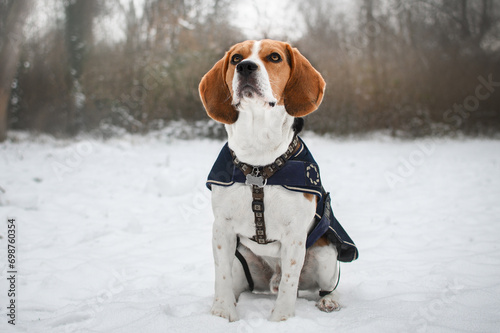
(275, 19)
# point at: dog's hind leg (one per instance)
(327, 303)
(328, 275)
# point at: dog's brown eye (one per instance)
(274, 57)
(236, 59)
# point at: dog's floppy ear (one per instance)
(305, 87)
(215, 93)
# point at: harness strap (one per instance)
(257, 178)
(244, 264)
(258, 211)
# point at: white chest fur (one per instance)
(285, 213)
(261, 134)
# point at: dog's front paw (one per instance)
(327, 304)
(224, 309)
(281, 314)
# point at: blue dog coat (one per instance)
(300, 174)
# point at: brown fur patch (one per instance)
(322, 241)
(215, 94)
(304, 90)
(245, 50)
(279, 72)
(309, 196)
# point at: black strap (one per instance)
(244, 263)
(324, 293)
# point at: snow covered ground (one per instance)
(114, 236)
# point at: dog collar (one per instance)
(258, 175)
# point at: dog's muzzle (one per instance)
(247, 81)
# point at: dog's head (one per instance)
(266, 70)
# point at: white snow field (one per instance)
(115, 236)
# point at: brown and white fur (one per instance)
(256, 90)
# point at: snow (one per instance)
(114, 236)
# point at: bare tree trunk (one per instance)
(79, 25)
(464, 20)
(370, 26)
(11, 40)
(486, 19)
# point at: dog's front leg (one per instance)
(224, 246)
(293, 253)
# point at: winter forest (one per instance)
(409, 68)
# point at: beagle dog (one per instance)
(259, 90)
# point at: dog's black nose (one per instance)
(246, 68)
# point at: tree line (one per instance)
(413, 68)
